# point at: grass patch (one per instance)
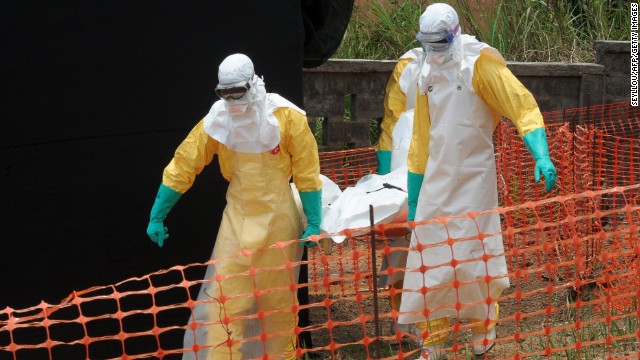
(522, 30)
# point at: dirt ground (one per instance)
(350, 310)
(547, 301)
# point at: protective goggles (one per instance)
(437, 41)
(233, 92)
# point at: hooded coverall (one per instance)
(452, 147)
(399, 101)
(246, 306)
(395, 137)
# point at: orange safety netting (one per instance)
(572, 258)
(346, 167)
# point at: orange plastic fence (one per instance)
(346, 167)
(572, 260)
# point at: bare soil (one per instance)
(547, 301)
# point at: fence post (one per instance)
(374, 266)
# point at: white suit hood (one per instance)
(464, 51)
(440, 19)
(255, 130)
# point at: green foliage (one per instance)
(552, 30)
(562, 340)
(522, 30)
(381, 30)
(374, 131)
(318, 132)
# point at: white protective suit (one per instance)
(252, 290)
(462, 96)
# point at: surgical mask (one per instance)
(438, 57)
(237, 107)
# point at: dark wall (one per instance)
(96, 96)
(555, 86)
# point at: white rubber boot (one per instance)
(478, 340)
(434, 352)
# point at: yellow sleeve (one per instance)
(505, 95)
(394, 105)
(193, 154)
(419, 148)
(303, 149)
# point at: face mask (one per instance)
(237, 107)
(438, 58)
(438, 46)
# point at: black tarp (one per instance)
(325, 23)
(95, 97)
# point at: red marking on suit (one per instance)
(275, 150)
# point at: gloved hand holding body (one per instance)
(312, 207)
(165, 200)
(536, 143)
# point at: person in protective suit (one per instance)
(261, 140)
(399, 103)
(391, 152)
(464, 89)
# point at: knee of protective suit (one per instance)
(435, 329)
(481, 328)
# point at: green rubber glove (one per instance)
(165, 200)
(312, 207)
(536, 143)
(414, 183)
(384, 161)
